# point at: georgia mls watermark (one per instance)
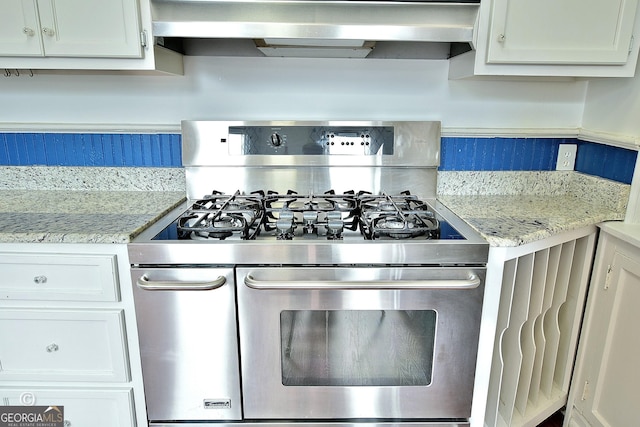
(31, 416)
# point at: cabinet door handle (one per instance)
(29, 31)
(40, 280)
(48, 31)
(52, 348)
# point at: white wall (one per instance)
(613, 106)
(291, 88)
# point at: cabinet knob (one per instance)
(29, 31)
(501, 38)
(48, 31)
(52, 348)
(40, 280)
(67, 423)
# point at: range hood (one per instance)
(346, 28)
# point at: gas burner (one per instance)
(219, 216)
(310, 216)
(396, 217)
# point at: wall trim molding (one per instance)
(88, 128)
(616, 140)
(510, 132)
(607, 138)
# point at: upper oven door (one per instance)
(330, 342)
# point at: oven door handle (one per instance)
(175, 285)
(473, 281)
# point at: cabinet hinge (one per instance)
(607, 279)
(143, 38)
(585, 391)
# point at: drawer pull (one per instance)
(40, 280)
(52, 347)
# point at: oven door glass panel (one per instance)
(357, 347)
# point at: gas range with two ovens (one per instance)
(312, 276)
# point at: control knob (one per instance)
(276, 139)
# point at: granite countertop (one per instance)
(515, 208)
(113, 205)
(59, 216)
(84, 205)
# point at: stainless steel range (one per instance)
(311, 278)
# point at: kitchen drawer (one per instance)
(62, 345)
(51, 277)
(82, 407)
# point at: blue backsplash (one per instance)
(164, 150)
(533, 154)
(87, 149)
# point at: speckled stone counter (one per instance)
(84, 205)
(515, 208)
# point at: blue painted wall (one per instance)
(164, 150)
(532, 154)
(84, 149)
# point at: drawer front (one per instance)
(62, 345)
(49, 277)
(95, 408)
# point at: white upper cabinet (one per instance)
(561, 31)
(581, 38)
(73, 28)
(82, 35)
(20, 28)
(90, 28)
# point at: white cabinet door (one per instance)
(62, 345)
(561, 31)
(52, 277)
(90, 28)
(605, 386)
(20, 28)
(82, 407)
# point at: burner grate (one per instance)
(396, 217)
(219, 216)
(309, 216)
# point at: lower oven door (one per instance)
(188, 342)
(384, 343)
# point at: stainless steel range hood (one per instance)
(312, 26)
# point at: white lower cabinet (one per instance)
(604, 389)
(68, 335)
(62, 345)
(543, 288)
(82, 407)
(49, 277)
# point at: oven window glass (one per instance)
(357, 347)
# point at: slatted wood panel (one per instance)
(542, 299)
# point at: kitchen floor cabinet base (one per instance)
(543, 291)
(605, 384)
(88, 407)
(68, 335)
